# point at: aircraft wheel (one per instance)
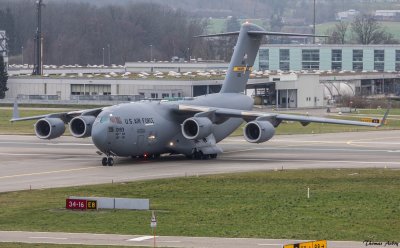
(110, 161)
(213, 155)
(104, 161)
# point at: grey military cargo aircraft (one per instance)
(189, 127)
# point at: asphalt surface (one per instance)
(29, 163)
(163, 241)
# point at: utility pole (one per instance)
(109, 54)
(314, 25)
(38, 68)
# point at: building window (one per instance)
(284, 59)
(397, 60)
(379, 60)
(336, 60)
(164, 95)
(310, 59)
(91, 89)
(264, 59)
(358, 56)
(264, 54)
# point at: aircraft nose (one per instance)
(99, 136)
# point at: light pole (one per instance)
(22, 55)
(109, 54)
(103, 56)
(151, 53)
(314, 24)
(188, 54)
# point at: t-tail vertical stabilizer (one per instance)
(245, 53)
(243, 58)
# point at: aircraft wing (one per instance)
(65, 116)
(274, 118)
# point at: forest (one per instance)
(96, 32)
(81, 33)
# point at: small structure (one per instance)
(347, 15)
(3, 47)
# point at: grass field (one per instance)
(344, 205)
(391, 27)
(26, 127)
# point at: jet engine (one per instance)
(81, 126)
(258, 131)
(49, 128)
(196, 128)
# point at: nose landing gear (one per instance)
(107, 161)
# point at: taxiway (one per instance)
(30, 163)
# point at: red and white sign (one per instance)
(75, 204)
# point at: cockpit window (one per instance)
(104, 119)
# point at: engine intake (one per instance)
(81, 126)
(258, 131)
(49, 128)
(196, 128)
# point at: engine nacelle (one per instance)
(196, 128)
(49, 128)
(81, 126)
(258, 131)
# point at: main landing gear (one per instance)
(107, 161)
(198, 155)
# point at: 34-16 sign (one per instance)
(80, 204)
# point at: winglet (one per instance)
(15, 110)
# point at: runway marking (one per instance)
(47, 172)
(20, 154)
(48, 238)
(307, 149)
(140, 239)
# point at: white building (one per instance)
(347, 15)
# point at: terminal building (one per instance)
(284, 76)
(359, 58)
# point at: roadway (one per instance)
(30, 163)
(27, 162)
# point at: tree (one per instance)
(3, 78)
(367, 30)
(338, 34)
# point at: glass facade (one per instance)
(379, 60)
(327, 57)
(310, 59)
(397, 60)
(91, 89)
(264, 59)
(284, 59)
(358, 56)
(336, 59)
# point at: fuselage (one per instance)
(135, 129)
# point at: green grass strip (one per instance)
(347, 204)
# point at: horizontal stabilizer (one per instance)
(217, 35)
(283, 34)
(258, 33)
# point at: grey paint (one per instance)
(135, 129)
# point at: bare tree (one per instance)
(367, 30)
(337, 35)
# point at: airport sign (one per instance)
(80, 204)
